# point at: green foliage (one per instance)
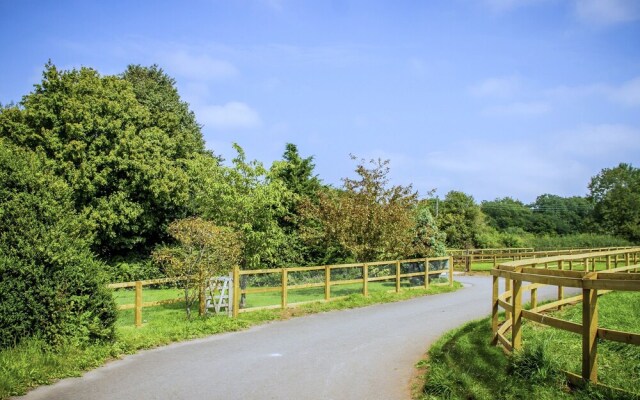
(130, 269)
(245, 198)
(204, 250)
(582, 240)
(428, 240)
(50, 284)
(461, 219)
(615, 193)
(368, 219)
(119, 143)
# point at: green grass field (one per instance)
(464, 365)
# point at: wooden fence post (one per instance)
(201, 299)
(516, 322)
(285, 283)
(365, 280)
(450, 271)
(627, 259)
(327, 283)
(236, 291)
(534, 298)
(426, 273)
(608, 262)
(589, 335)
(494, 308)
(397, 276)
(560, 288)
(138, 309)
(507, 287)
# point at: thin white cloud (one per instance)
(496, 87)
(231, 116)
(517, 109)
(201, 67)
(607, 12)
(598, 140)
(626, 93)
(501, 6)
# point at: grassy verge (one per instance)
(32, 363)
(464, 365)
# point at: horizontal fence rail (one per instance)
(595, 273)
(500, 255)
(414, 273)
(419, 269)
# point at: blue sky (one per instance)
(492, 97)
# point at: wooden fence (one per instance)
(284, 285)
(466, 260)
(576, 271)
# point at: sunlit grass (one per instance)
(464, 365)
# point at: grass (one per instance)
(33, 363)
(464, 365)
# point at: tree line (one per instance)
(99, 170)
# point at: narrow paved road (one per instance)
(365, 353)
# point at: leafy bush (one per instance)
(50, 284)
(133, 269)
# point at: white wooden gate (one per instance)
(219, 295)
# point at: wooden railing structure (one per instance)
(365, 279)
(496, 256)
(138, 305)
(284, 286)
(573, 271)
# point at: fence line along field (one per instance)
(594, 273)
(287, 287)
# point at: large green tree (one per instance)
(461, 219)
(507, 213)
(615, 193)
(119, 142)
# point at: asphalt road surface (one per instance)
(364, 353)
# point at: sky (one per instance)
(494, 98)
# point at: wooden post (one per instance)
(285, 283)
(516, 322)
(507, 287)
(327, 283)
(589, 334)
(495, 261)
(236, 291)
(608, 262)
(560, 288)
(365, 280)
(534, 298)
(627, 259)
(495, 308)
(426, 273)
(201, 300)
(586, 264)
(397, 276)
(138, 309)
(570, 265)
(450, 271)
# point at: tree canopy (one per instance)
(120, 144)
